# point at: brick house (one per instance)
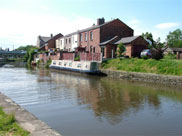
(92, 37)
(134, 45)
(41, 40)
(50, 43)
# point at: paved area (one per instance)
(25, 119)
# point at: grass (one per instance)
(164, 66)
(9, 127)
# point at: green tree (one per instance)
(148, 36)
(24, 48)
(29, 56)
(174, 39)
(121, 49)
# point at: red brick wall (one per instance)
(94, 43)
(115, 28)
(68, 56)
(90, 56)
(138, 46)
(108, 51)
(128, 50)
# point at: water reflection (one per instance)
(108, 98)
(76, 104)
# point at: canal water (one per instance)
(80, 105)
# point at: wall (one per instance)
(108, 51)
(74, 42)
(94, 43)
(115, 28)
(58, 43)
(25, 119)
(90, 57)
(145, 77)
(128, 50)
(138, 46)
(52, 42)
(67, 43)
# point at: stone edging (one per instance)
(144, 77)
(25, 119)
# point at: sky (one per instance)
(21, 21)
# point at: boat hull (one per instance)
(81, 67)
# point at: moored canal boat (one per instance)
(76, 66)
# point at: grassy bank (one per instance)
(163, 66)
(9, 127)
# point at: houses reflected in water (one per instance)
(109, 99)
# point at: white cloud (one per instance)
(166, 25)
(20, 28)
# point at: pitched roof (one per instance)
(109, 41)
(127, 40)
(94, 27)
(44, 39)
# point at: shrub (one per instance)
(121, 49)
(170, 56)
(48, 63)
(157, 54)
(77, 58)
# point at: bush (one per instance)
(157, 54)
(121, 49)
(145, 57)
(48, 63)
(170, 56)
(77, 58)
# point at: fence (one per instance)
(90, 57)
(71, 56)
(68, 56)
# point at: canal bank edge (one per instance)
(25, 119)
(144, 77)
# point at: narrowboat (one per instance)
(76, 66)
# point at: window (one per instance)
(86, 37)
(70, 64)
(54, 63)
(91, 36)
(79, 65)
(90, 49)
(61, 42)
(93, 49)
(69, 40)
(80, 37)
(66, 41)
(103, 52)
(59, 63)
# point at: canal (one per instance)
(81, 105)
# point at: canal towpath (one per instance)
(25, 119)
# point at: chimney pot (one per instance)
(100, 21)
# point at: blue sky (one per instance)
(21, 21)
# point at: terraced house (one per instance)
(101, 38)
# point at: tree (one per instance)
(24, 48)
(148, 36)
(174, 39)
(121, 49)
(29, 56)
(157, 47)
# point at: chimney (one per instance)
(100, 21)
(51, 35)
